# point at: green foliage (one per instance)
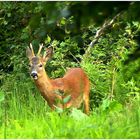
(112, 66)
(1, 96)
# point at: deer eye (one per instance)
(40, 65)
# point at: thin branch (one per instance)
(99, 32)
(74, 57)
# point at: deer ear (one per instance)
(29, 53)
(48, 54)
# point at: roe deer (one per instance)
(73, 87)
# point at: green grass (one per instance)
(26, 115)
(51, 125)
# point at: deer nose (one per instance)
(34, 74)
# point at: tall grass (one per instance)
(26, 115)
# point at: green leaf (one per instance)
(47, 40)
(67, 99)
(63, 21)
(58, 109)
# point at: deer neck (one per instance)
(43, 83)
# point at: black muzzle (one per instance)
(34, 75)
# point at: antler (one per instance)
(40, 48)
(44, 55)
(32, 50)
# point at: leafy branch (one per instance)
(107, 24)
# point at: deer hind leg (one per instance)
(86, 104)
(86, 98)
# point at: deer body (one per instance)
(74, 85)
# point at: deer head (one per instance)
(37, 62)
